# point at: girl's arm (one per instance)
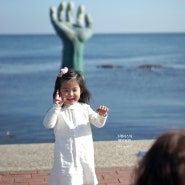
(50, 119)
(99, 117)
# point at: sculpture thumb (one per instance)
(53, 14)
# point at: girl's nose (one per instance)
(70, 93)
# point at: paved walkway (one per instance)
(106, 176)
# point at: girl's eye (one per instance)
(65, 90)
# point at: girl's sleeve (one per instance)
(95, 118)
(51, 116)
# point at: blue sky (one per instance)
(109, 16)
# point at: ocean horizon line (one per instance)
(101, 33)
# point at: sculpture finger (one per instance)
(61, 9)
(53, 14)
(69, 12)
(80, 15)
(88, 21)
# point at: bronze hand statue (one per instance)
(73, 35)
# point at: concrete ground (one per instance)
(40, 156)
(30, 164)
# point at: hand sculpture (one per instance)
(73, 35)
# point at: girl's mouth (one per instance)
(70, 99)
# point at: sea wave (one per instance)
(29, 68)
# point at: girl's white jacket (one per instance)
(74, 151)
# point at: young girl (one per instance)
(70, 117)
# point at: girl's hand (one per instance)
(58, 99)
(102, 110)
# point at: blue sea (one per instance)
(143, 102)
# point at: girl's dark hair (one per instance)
(73, 74)
(164, 163)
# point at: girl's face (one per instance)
(70, 91)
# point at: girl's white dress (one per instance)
(74, 151)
